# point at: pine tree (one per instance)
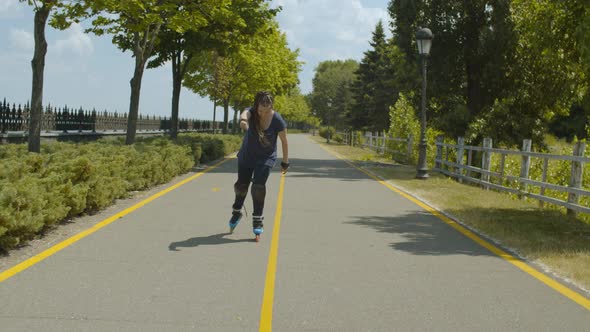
(373, 88)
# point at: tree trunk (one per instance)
(214, 107)
(178, 71)
(176, 85)
(235, 128)
(226, 116)
(134, 100)
(38, 67)
(143, 46)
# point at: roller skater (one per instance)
(257, 156)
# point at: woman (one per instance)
(257, 157)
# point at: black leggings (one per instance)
(258, 176)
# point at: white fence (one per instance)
(459, 161)
(462, 168)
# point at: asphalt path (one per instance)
(340, 252)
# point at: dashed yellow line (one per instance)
(269, 285)
(68, 242)
(560, 288)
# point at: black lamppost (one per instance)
(424, 40)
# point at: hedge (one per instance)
(65, 180)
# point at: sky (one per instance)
(83, 70)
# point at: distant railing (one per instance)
(380, 142)
(16, 118)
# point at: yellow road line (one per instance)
(562, 289)
(48, 252)
(269, 285)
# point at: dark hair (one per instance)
(263, 98)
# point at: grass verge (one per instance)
(542, 235)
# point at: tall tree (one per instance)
(546, 75)
(472, 53)
(135, 26)
(329, 77)
(293, 106)
(227, 24)
(264, 62)
(559, 56)
(374, 87)
(343, 102)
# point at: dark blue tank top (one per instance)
(254, 152)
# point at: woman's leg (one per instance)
(261, 173)
(241, 186)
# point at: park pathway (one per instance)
(340, 252)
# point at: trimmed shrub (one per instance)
(65, 180)
(324, 131)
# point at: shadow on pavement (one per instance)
(307, 168)
(205, 240)
(421, 235)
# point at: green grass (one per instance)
(543, 235)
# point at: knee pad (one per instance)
(258, 192)
(241, 189)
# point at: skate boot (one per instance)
(257, 226)
(236, 215)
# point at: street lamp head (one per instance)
(424, 40)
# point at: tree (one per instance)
(552, 72)
(343, 103)
(471, 58)
(43, 9)
(546, 78)
(135, 26)
(329, 77)
(227, 25)
(293, 107)
(375, 88)
(264, 62)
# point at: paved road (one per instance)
(352, 256)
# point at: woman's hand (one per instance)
(284, 167)
(244, 124)
(244, 117)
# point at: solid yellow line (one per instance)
(48, 252)
(562, 289)
(269, 285)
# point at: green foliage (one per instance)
(558, 172)
(219, 28)
(405, 124)
(232, 78)
(511, 59)
(505, 126)
(293, 106)
(403, 118)
(338, 138)
(65, 180)
(377, 78)
(575, 124)
(325, 131)
(327, 102)
(208, 147)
